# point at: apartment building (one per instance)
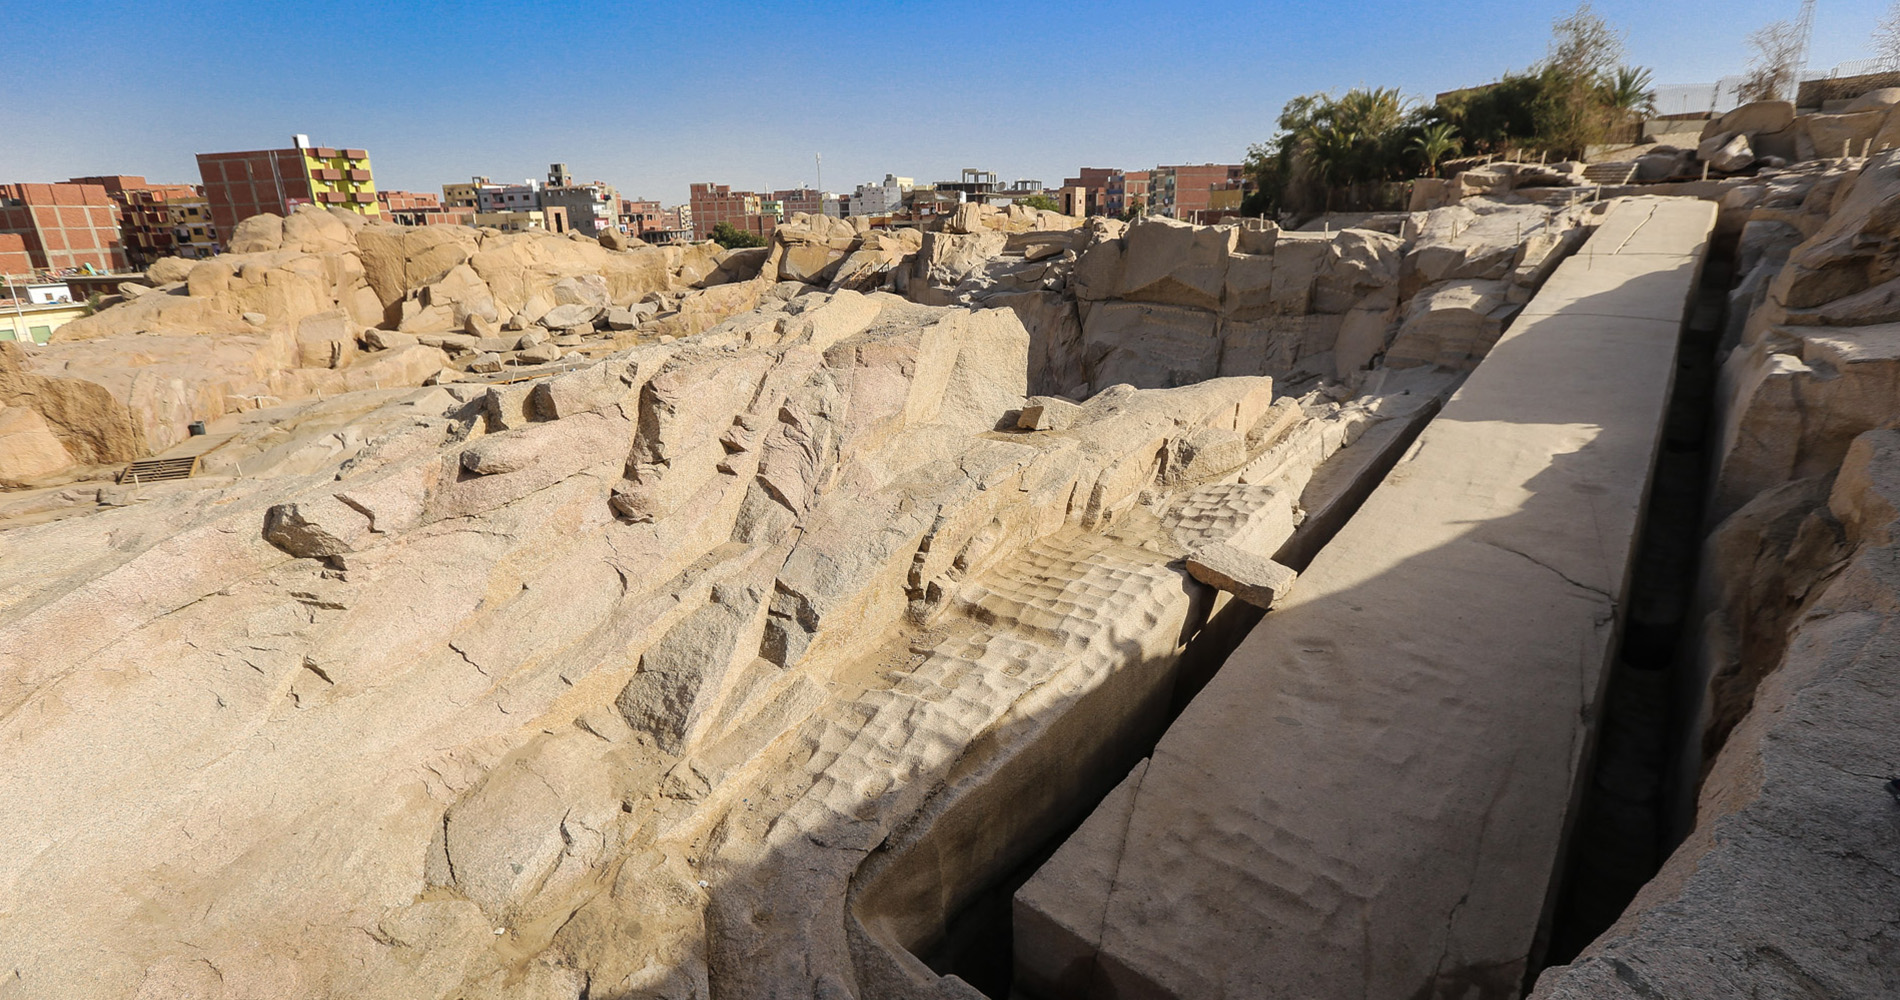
(973, 184)
(145, 227)
(882, 198)
(193, 233)
(242, 184)
(13, 256)
(592, 208)
(713, 204)
(1094, 182)
(798, 200)
(405, 201)
(422, 208)
(463, 195)
(927, 202)
(641, 215)
(1126, 190)
(522, 197)
(64, 226)
(1185, 192)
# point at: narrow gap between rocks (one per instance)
(978, 944)
(1623, 831)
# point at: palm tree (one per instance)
(1435, 143)
(1369, 112)
(1333, 159)
(1629, 93)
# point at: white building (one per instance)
(523, 197)
(881, 199)
(48, 293)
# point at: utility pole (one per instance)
(19, 315)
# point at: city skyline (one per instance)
(661, 98)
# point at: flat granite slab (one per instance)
(1370, 799)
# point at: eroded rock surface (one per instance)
(615, 680)
(765, 608)
(1370, 798)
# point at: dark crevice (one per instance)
(1623, 831)
(977, 945)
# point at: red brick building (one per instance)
(405, 201)
(146, 227)
(638, 215)
(422, 208)
(64, 225)
(1186, 192)
(13, 255)
(240, 185)
(713, 204)
(1095, 181)
(800, 200)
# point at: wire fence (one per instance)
(1863, 67)
(1696, 98)
(1724, 94)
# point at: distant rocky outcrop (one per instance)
(318, 303)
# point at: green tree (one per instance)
(732, 239)
(1496, 116)
(1329, 149)
(1629, 93)
(1434, 142)
(1040, 201)
(1585, 53)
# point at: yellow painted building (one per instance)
(463, 195)
(341, 178)
(192, 229)
(37, 322)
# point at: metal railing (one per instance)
(1862, 67)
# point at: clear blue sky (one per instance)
(653, 96)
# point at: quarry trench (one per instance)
(1620, 834)
(859, 719)
(976, 943)
(1628, 821)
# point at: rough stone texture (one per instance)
(247, 329)
(1267, 849)
(1782, 889)
(1259, 581)
(1047, 413)
(738, 654)
(1817, 362)
(1734, 153)
(408, 665)
(1759, 116)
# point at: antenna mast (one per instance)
(1804, 31)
